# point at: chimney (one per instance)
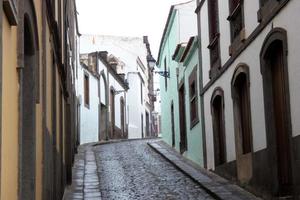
(93, 62)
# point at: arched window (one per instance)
(241, 106)
(218, 120)
(274, 69)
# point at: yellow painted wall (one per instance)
(39, 129)
(10, 144)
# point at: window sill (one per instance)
(214, 40)
(194, 123)
(234, 12)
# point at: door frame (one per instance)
(276, 35)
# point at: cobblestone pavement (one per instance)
(130, 170)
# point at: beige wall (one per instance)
(10, 108)
(9, 168)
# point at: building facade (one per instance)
(249, 63)
(186, 55)
(103, 98)
(38, 59)
(178, 62)
(131, 57)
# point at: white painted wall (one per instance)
(112, 83)
(251, 57)
(88, 116)
(127, 50)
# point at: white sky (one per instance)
(125, 18)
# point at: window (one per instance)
(165, 69)
(214, 36)
(193, 98)
(267, 7)
(236, 19)
(86, 85)
(241, 103)
(218, 119)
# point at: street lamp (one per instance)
(151, 62)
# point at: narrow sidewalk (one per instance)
(215, 185)
(85, 179)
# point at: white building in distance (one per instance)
(128, 57)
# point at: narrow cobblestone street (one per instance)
(129, 170)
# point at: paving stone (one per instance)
(129, 170)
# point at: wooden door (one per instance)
(122, 108)
(112, 112)
(279, 106)
(147, 124)
(173, 125)
(219, 132)
(183, 139)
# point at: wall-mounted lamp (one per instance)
(163, 73)
(152, 64)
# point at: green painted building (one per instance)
(180, 103)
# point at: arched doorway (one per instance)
(240, 90)
(112, 112)
(122, 115)
(28, 108)
(103, 123)
(274, 69)
(218, 121)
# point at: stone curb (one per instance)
(119, 140)
(217, 187)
